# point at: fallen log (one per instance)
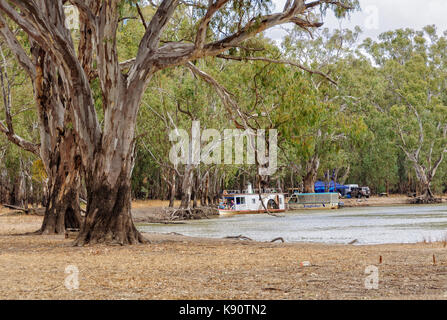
(35, 211)
(278, 239)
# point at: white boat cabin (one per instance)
(251, 203)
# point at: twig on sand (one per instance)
(168, 222)
(239, 237)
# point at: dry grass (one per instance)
(442, 240)
(4, 210)
(176, 267)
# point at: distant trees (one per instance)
(321, 122)
(413, 65)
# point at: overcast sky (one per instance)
(378, 16)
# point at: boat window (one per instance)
(240, 200)
(280, 200)
(253, 201)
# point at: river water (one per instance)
(367, 225)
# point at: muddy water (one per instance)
(368, 225)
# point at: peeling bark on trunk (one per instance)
(63, 211)
(63, 205)
(58, 151)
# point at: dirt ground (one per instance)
(177, 267)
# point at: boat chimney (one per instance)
(249, 188)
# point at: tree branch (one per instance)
(151, 39)
(213, 7)
(8, 130)
(140, 13)
(17, 48)
(228, 57)
(225, 96)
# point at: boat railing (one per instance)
(231, 191)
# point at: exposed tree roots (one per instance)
(190, 213)
(426, 200)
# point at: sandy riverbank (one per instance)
(377, 201)
(380, 201)
(178, 267)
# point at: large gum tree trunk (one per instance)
(108, 219)
(108, 179)
(309, 182)
(425, 179)
(426, 192)
(311, 176)
(58, 151)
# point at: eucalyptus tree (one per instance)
(414, 67)
(57, 147)
(374, 157)
(107, 150)
(321, 120)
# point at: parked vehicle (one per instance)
(366, 192)
(360, 192)
(348, 190)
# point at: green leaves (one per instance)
(412, 65)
